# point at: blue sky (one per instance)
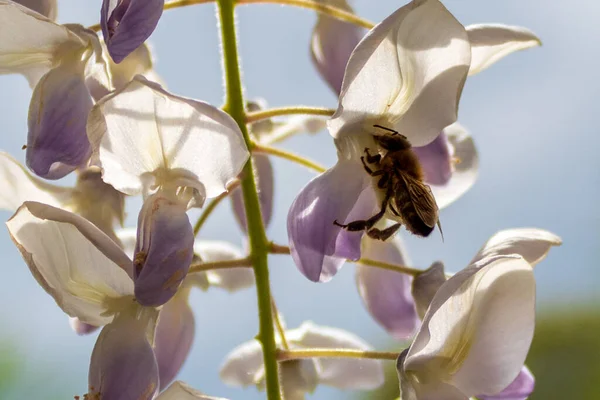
(534, 117)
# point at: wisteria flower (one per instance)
(519, 389)
(126, 24)
(243, 366)
(56, 59)
(405, 75)
(479, 323)
(176, 152)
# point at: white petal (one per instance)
(31, 43)
(243, 366)
(182, 391)
(142, 129)
(229, 279)
(298, 377)
(47, 8)
(492, 42)
(530, 243)
(465, 171)
(60, 249)
(19, 186)
(127, 237)
(364, 374)
(406, 74)
(478, 328)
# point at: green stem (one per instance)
(260, 148)
(276, 112)
(294, 354)
(227, 264)
(259, 245)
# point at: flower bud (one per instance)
(57, 142)
(126, 24)
(81, 328)
(164, 250)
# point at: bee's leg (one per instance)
(364, 224)
(383, 234)
(383, 181)
(393, 209)
(369, 170)
(372, 159)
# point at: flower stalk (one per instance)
(259, 245)
(277, 112)
(294, 354)
(260, 148)
(227, 264)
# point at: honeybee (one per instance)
(408, 199)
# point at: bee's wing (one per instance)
(422, 199)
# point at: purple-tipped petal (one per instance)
(81, 328)
(123, 366)
(331, 45)
(318, 247)
(126, 24)
(174, 337)
(519, 389)
(264, 176)
(163, 252)
(47, 8)
(57, 142)
(425, 286)
(436, 160)
(386, 294)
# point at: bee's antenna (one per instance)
(439, 224)
(387, 129)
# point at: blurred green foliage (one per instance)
(564, 357)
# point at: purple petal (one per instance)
(519, 389)
(331, 45)
(128, 24)
(164, 250)
(174, 337)
(264, 176)
(436, 160)
(425, 286)
(123, 365)
(81, 328)
(318, 247)
(386, 294)
(57, 142)
(47, 8)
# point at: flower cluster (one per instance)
(100, 111)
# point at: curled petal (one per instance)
(520, 389)
(182, 391)
(142, 130)
(57, 143)
(478, 329)
(425, 286)
(229, 279)
(465, 169)
(436, 160)
(386, 294)
(81, 328)
(243, 366)
(126, 24)
(406, 74)
(47, 8)
(265, 182)
(73, 261)
(492, 42)
(123, 365)
(530, 243)
(319, 247)
(331, 44)
(20, 186)
(163, 252)
(174, 337)
(362, 374)
(31, 43)
(139, 62)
